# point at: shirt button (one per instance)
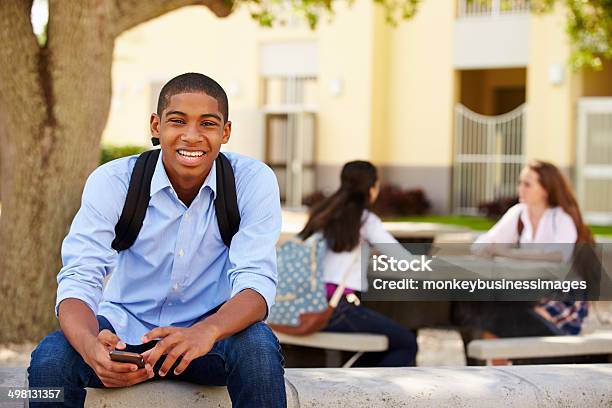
(181, 252)
(186, 216)
(175, 287)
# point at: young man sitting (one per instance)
(191, 304)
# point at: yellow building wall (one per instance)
(186, 40)
(346, 53)
(551, 108)
(398, 84)
(193, 39)
(380, 86)
(421, 88)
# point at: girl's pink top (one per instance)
(331, 288)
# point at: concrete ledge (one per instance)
(511, 386)
(518, 386)
(13, 377)
(338, 341)
(535, 347)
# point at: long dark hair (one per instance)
(339, 217)
(560, 195)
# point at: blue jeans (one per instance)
(249, 363)
(349, 318)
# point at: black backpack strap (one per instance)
(226, 202)
(136, 202)
(139, 193)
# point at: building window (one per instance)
(290, 135)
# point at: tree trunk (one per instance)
(55, 108)
(54, 101)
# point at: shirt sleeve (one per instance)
(505, 231)
(87, 256)
(252, 253)
(375, 233)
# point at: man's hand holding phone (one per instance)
(114, 373)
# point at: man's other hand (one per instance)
(175, 342)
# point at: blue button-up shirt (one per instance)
(178, 269)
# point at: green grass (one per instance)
(475, 223)
(481, 223)
(605, 230)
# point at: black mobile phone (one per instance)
(127, 357)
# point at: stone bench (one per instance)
(358, 343)
(584, 385)
(540, 347)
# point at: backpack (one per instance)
(300, 287)
(301, 305)
(139, 193)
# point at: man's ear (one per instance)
(227, 131)
(154, 124)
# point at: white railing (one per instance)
(594, 159)
(489, 155)
(491, 8)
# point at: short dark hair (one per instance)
(193, 82)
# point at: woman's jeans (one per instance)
(349, 318)
(249, 363)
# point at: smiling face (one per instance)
(191, 131)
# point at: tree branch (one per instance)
(133, 12)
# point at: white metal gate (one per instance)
(489, 155)
(594, 159)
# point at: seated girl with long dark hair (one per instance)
(346, 221)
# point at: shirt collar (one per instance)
(160, 178)
(211, 179)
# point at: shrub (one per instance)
(314, 198)
(110, 152)
(496, 208)
(393, 201)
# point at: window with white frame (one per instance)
(289, 84)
